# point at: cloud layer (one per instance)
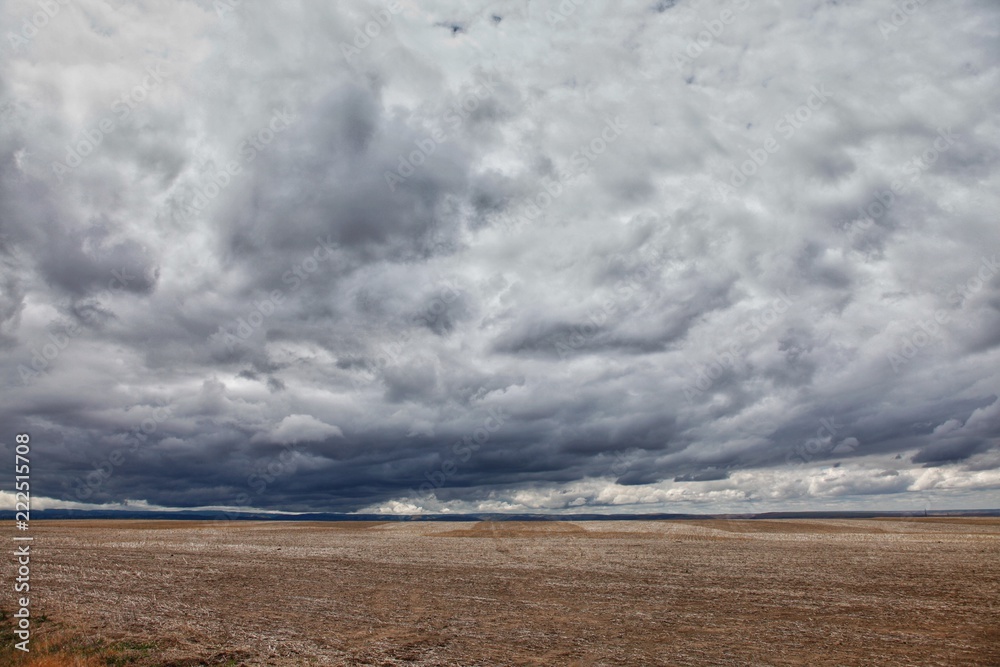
(656, 256)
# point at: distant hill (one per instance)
(57, 514)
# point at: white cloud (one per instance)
(299, 428)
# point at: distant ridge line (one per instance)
(191, 515)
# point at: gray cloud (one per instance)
(301, 273)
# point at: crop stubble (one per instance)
(793, 592)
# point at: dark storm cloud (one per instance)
(949, 452)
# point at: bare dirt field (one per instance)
(789, 592)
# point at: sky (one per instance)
(513, 256)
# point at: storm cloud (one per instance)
(502, 256)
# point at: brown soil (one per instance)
(727, 592)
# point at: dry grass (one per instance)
(56, 645)
(62, 661)
(505, 529)
(832, 592)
